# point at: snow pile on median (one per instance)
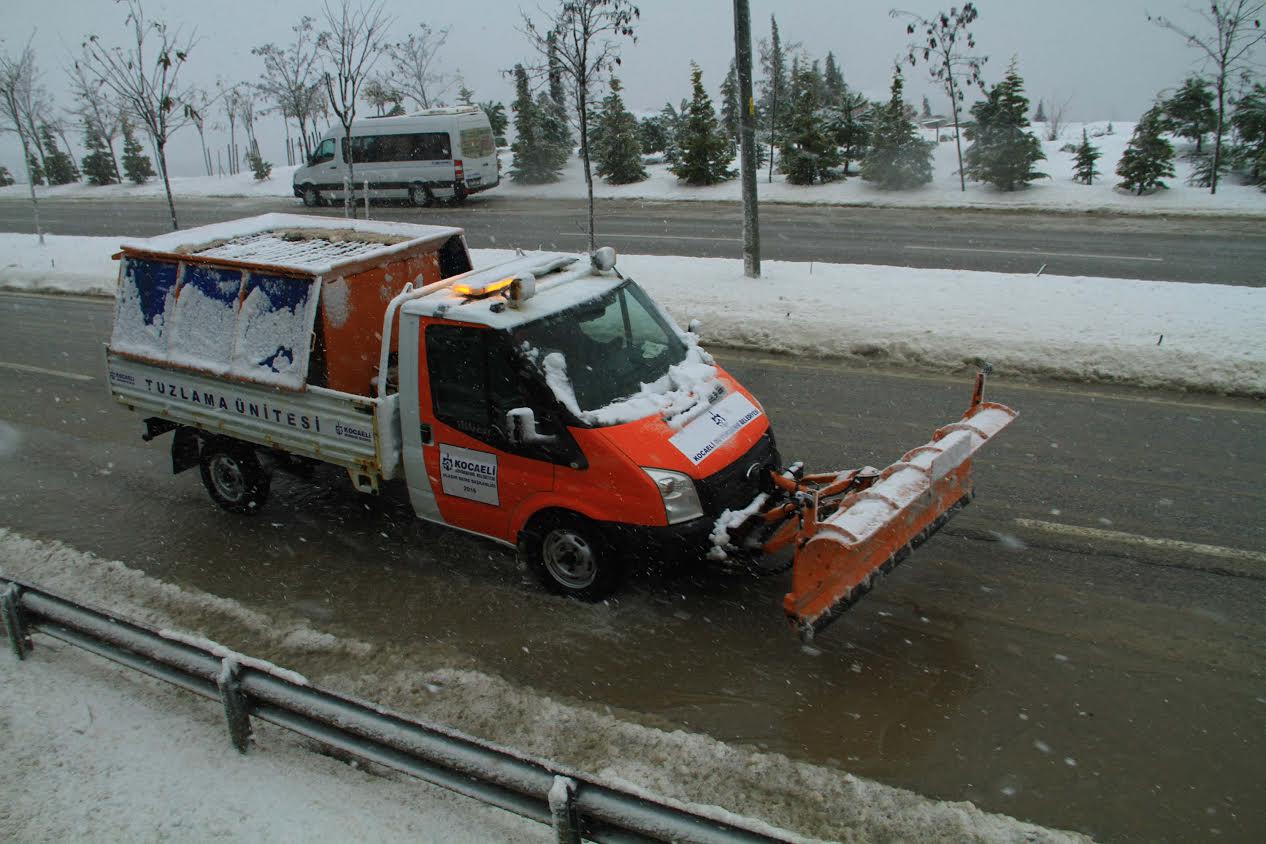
(1149, 333)
(159, 762)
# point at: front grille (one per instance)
(731, 488)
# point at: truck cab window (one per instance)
(456, 361)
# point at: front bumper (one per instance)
(683, 542)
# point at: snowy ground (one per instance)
(1059, 192)
(1202, 337)
(98, 753)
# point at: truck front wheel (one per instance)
(311, 196)
(234, 477)
(570, 556)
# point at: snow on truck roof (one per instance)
(315, 245)
(562, 281)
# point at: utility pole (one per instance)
(747, 135)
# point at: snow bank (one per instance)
(1149, 333)
(136, 760)
(1059, 192)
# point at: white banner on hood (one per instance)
(715, 427)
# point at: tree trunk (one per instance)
(349, 203)
(958, 141)
(1217, 134)
(583, 108)
(162, 166)
(114, 161)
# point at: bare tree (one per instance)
(942, 40)
(231, 99)
(291, 77)
(412, 66)
(579, 36)
(99, 110)
(19, 80)
(1055, 116)
(200, 104)
(1234, 32)
(147, 83)
(350, 47)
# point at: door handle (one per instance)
(425, 431)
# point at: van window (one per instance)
(477, 143)
(415, 146)
(324, 153)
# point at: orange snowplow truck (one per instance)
(546, 403)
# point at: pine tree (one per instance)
(36, 171)
(1087, 154)
(6, 178)
(651, 135)
(833, 81)
(897, 158)
(1039, 116)
(1190, 113)
(705, 154)
(97, 164)
(1249, 120)
(1003, 153)
(555, 131)
(616, 150)
(535, 163)
(926, 114)
(465, 96)
(59, 168)
(774, 89)
(136, 164)
(672, 120)
(809, 154)
(1149, 157)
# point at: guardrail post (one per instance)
(562, 809)
(236, 708)
(11, 609)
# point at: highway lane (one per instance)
(1083, 647)
(1199, 249)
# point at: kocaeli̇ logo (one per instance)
(718, 419)
(446, 463)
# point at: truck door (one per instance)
(467, 383)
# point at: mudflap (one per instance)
(873, 528)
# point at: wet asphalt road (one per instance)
(1221, 250)
(1056, 653)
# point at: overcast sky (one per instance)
(1101, 55)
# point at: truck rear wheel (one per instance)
(570, 556)
(234, 477)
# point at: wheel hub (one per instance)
(569, 559)
(227, 477)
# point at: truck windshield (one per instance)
(608, 348)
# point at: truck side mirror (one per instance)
(695, 327)
(521, 428)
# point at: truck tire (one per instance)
(311, 196)
(570, 556)
(234, 477)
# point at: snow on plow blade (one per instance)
(875, 528)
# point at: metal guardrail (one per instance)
(574, 805)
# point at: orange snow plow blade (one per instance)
(842, 544)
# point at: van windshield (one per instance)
(607, 354)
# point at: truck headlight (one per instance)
(681, 501)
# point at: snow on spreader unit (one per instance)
(546, 403)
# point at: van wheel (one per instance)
(420, 196)
(459, 194)
(234, 477)
(570, 556)
(311, 197)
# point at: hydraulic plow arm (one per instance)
(849, 527)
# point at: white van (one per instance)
(439, 153)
